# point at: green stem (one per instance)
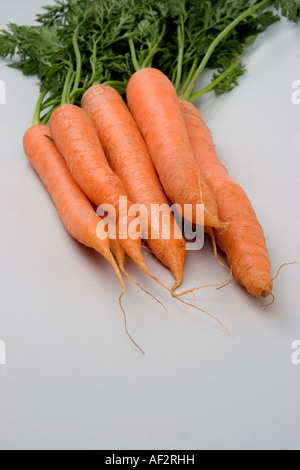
(65, 99)
(78, 60)
(185, 72)
(190, 76)
(47, 104)
(134, 59)
(173, 76)
(46, 118)
(115, 84)
(254, 7)
(71, 101)
(148, 61)
(215, 82)
(37, 113)
(181, 41)
(93, 63)
(74, 93)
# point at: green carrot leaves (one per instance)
(105, 41)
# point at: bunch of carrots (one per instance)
(110, 132)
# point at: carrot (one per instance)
(243, 240)
(129, 158)
(119, 254)
(153, 101)
(78, 142)
(74, 208)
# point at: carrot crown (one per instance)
(77, 44)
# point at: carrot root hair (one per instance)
(215, 249)
(176, 296)
(221, 285)
(114, 264)
(139, 260)
(125, 324)
(274, 279)
(201, 310)
(143, 289)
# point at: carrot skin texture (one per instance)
(78, 142)
(243, 241)
(154, 104)
(74, 208)
(129, 158)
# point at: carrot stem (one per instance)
(78, 60)
(117, 85)
(65, 99)
(215, 82)
(253, 8)
(190, 76)
(148, 61)
(133, 55)
(37, 114)
(181, 42)
(46, 118)
(93, 62)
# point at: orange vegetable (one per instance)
(243, 240)
(129, 158)
(73, 206)
(78, 142)
(153, 101)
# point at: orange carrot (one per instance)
(72, 204)
(74, 208)
(129, 158)
(243, 241)
(153, 101)
(78, 142)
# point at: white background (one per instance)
(73, 380)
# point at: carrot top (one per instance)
(105, 42)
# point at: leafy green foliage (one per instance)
(114, 38)
(289, 8)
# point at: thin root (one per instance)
(203, 311)
(270, 303)
(115, 266)
(220, 285)
(274, 279)
(188, 304)
(141, 263)
(143, 289)
(215, 248)
(282, 266)
(125, 323)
